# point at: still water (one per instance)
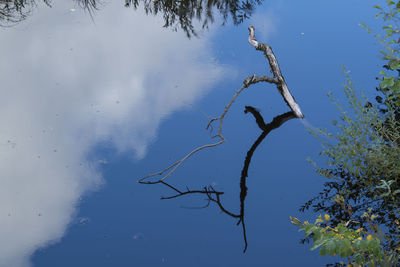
(93, 99)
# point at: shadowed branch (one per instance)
(215, 196)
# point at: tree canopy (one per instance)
(183, 14)
(177, 14)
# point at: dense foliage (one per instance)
(363, 161)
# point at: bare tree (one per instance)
(213, 195)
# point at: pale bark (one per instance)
(276, 71)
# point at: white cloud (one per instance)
(68, 83)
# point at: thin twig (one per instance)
(172, 168)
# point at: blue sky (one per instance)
(92, 106)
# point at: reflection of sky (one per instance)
(82, 104)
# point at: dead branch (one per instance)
(206, 191)
(277, 79)
(213, 195)
(267, 128)
(276, 71)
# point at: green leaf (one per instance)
(318, 243)
(308, 229)
(323, 251)
(363, 245)
(359, 259)
(345, 249)
(390, 3)
(331, 247)
(394, 65)
(295, 221)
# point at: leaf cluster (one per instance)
(359, 247)
(363, 156)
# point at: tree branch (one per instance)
(276, 71)
(278, 80)
(212, 195)
(172, 168)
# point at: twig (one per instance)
(205, 191)
(209, 192)
(197, 208)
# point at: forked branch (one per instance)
(277, 79)
(213, 195)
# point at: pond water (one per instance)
(92, 101)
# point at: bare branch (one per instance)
(265, 79)
(244, 234)
(204, 191)
(210, 192)
(170, 186)
(172, 168)
(218, 201)
(257, 116)
(198, 208)
(276, 71)
(213, 195)
(278, 80)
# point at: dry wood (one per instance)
(276, 71)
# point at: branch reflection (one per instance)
(215, 196)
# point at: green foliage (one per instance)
(363, 159)
(390, 83)
(356, 245)
(364, 170)
(364, 153)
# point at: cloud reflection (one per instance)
(68, 83)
